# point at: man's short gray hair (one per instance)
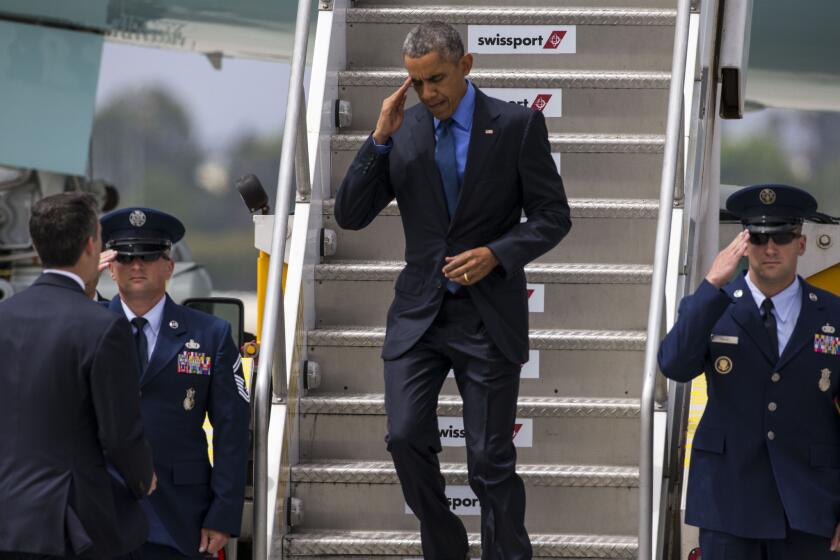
(434, 36)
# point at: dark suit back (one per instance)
(509, 169)
(69, 403)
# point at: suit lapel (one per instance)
(481, 144)
(423, 136)
(746, 314)
(171, 339)
(811, 317)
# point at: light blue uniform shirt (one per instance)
(461, 127)
(786, 307)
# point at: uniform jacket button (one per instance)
(771, 407)
(770, 435)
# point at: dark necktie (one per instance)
(770, 325)
(141, 342)
(448, 168)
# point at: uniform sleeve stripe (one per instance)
(237, 364)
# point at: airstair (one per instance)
(578, 421)
(605, 94)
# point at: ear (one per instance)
(803, 243)
(111, 271)
(466, 64)
(170, 268)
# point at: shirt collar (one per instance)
(154, 315)
(68, 274)
(463, 114)
(783, 302)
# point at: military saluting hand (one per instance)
(391, 115)
(726, 263)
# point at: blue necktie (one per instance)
(448, 168)
(141, 343)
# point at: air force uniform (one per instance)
(765, 464)
(193, 369)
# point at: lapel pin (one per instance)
(723, 365)
(827, 329)
(812, 296)
(738, 293)
(488, 131)
(825, 380)
(173, 324)
(193, 345)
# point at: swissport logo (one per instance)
(462, 501)
(549, 101)
(453, 433)
(522, 39)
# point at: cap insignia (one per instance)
(767, 196)
(137, 218)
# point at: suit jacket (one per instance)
(743, 479)
(69, 403)
(195, 371)
(509, 169)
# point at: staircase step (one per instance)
(603, 35)
(592, 102)
(586, 294)
(383, 472)
(549, 427)
(332, 493)
(540, 339)
(532, 3)
(376, 544)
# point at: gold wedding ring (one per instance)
(466, 277)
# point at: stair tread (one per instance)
(549, 273)
(374, 404)
(560, 142)
(383, 472)
(407, 542)
(514, 15)
(394, 77)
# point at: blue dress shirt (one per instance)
(786, 307)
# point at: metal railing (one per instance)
(660, 264)
(271, 384)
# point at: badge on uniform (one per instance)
(723, 365)
(827, 329)
(825, 380)
(189, 401)
(724, 339)
(194, 363)
(241, 386)
(192, 345)
(826, 344)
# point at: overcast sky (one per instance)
(244, 95)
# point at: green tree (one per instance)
(755, 159)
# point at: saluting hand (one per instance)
(391, 115)
(106, 258)
(726, 263)
(470, 266)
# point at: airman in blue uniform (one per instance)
(190, 367)
(764, 481)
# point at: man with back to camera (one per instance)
(69, 403)
(463, 166)
(190, 367)
(764, 472)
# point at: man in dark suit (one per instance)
(69, 403)
(463, 167)
(765, 461)
(190, 369)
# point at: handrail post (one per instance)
(660, 265)
(271, 373)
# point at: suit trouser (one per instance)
(489, 385)
(716, 545)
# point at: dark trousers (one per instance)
(716, 545)
(489, 385)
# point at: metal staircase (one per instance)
(579, 405)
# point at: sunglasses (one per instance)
(122, 258)
(778, 238)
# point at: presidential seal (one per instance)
(723, 365)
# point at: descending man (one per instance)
(68, 403)
(764, 480)
(190, 368)
(463, 167)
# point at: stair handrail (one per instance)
(271, 372)
(660, 265)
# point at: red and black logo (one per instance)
(541, 101)
(554, 39)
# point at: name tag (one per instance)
(723, 339)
